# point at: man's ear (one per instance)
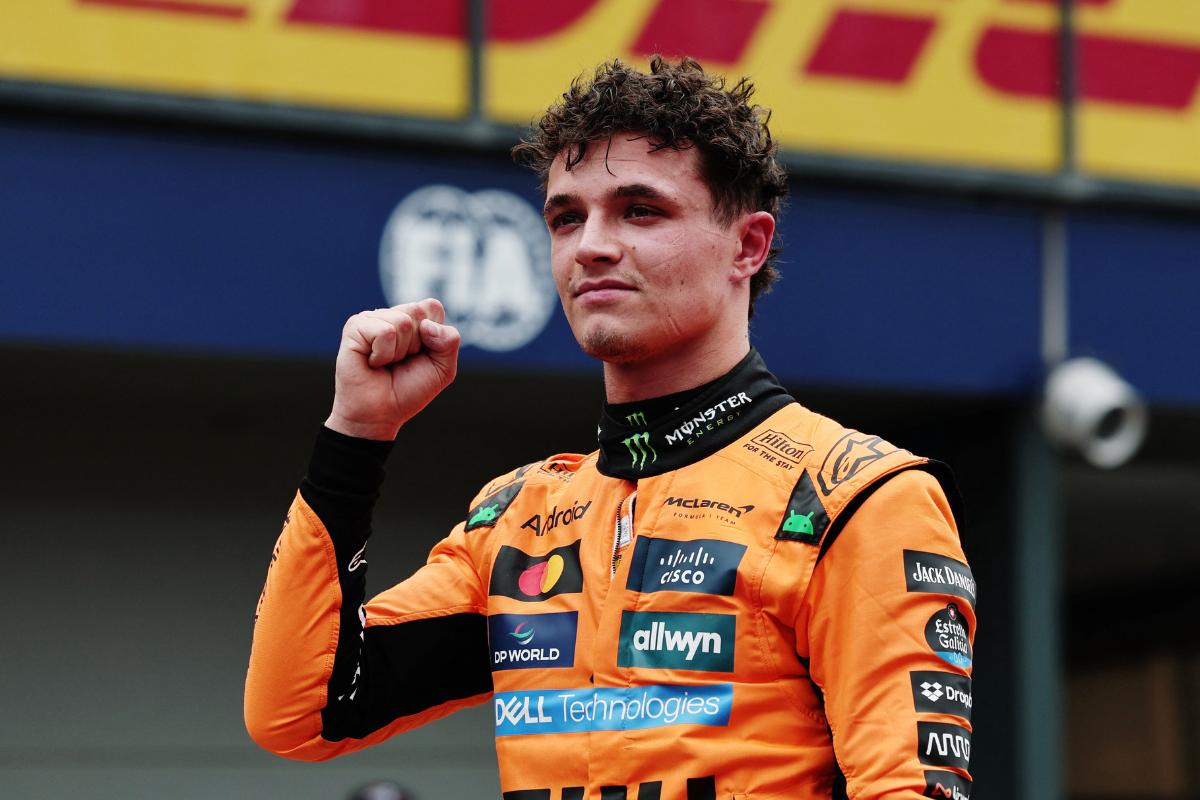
(755, 234)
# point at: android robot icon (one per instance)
(798, 523)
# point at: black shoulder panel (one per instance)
(491, 507)
(805, 519)
(937, 469)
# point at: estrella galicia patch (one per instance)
(849, 456)
(525, 641)
(491, 507)
(706, 566)
(518, 575)
(940, 744)
(946, 785)
(949, 636)
(942, 693)
(805, 519)
(934, 574)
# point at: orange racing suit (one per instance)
(739, 600)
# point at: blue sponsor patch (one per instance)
(707, 566)
(949, 636)
(525, 641)
(611, 709)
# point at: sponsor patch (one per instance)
(491, 507)
(942, 693)
(783, 445)
(525, 641)
(677, 640)
(851, 455)
(934, 574)
(611, 708)
(709, 504)
(805, 519)
(949, 635)
(518, 575)
(697, 789)
(554, 518)
(940, 744)
(706, 566)
(946, 785)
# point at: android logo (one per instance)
(487, 514)
(798, 523)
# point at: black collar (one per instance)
(634, 447)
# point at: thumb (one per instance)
(441, 342)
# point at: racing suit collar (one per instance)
(635, 445)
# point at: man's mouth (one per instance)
(602, 288)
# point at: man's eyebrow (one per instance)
(557, 201)
(644, 190)
(639, 190)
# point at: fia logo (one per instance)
(485, 254)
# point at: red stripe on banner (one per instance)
(440, 18)
(1112, 70)
(871, 46)
(707, 30)
(524, 20)
(508, 20)
(174, 6)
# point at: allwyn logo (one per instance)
(640, 449)
(667, 640)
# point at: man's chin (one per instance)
(613, 347)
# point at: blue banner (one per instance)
(162, 239)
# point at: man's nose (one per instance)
(598, 244)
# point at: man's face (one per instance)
(642, 266)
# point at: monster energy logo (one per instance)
(639, 448)
(636, 418)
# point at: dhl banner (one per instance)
(947, 82)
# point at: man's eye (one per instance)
(639, 212)
(566, 218)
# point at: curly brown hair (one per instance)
(676, 105)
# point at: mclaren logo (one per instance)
(698, 503)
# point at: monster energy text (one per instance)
(709, 419)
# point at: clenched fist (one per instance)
(391, 363)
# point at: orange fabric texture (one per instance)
(792, 609)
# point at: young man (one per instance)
(761, 604)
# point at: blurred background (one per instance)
(194, 194)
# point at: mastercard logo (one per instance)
(541, 578)
(532, 579)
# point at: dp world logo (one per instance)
(485, 255)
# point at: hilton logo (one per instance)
(783, 445)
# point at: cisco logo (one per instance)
(485, 255)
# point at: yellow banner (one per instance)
(362, 56)
(946, 82)
(950, 82)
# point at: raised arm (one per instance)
(329, 673)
